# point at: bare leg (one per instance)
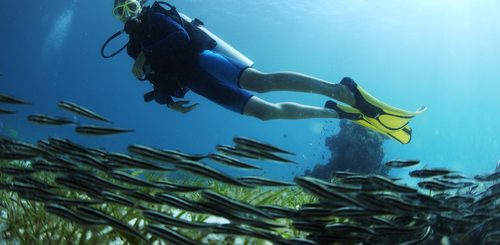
(265, 111)
(254, 80)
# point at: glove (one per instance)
(149, 96)
(179, 106)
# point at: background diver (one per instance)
(177, 55)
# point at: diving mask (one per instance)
(127, 10)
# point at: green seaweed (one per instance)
(27, 222)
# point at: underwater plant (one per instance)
(355, 149)
(25, 220)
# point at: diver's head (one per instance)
(125, 10)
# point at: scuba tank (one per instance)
(220, 47)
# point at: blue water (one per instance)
(442, 54)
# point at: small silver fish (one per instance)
(78, 186)
(232, 204)
(278, 211)
(152, 153)
(169, 186)
(5, 155)
(255, 180)
(398, 163)
(16, 171)
(91, 178)
(12, 100)
(178, 202)
(259, 145)
(30, 180)
(425, 173)
(170, 236)
(91, 161)
(233, 162)
(130, 179)
(67, 201)
(141, 196)
(206, 171)
(319, 188)
(495, 176)
(232, 151)
(100, 131)
(49, 120)
(171, 221)
(116, 224)
(22, 146)
(116, 198)
(347, 228)
(134, 162)
(65, 145)
(6, 112)
(192, 157)
(80, 110)
(356, 212)
(425, 235)
(262, 155)
(45, 166)
(70, 215)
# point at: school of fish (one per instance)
(351, 208)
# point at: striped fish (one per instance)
(259, 145)
(398, 163)
(4, 111)
(65, 145)
(203, 170)
(115, 198)
(152, 153)
(70, 215)
(171, 221)
(178, 202)
(232, 204)
(141, 196)
(80, 110)
(233, 162)
(23, 146)
(99, 130)
(12, 100)
(169, 186)
(130, 179)
(263, 155)
(7, 155)
(426, 173)
(91, 212)
(254, 180)
(134, 162)
(49, 120)
(170, 236)
(192, 157)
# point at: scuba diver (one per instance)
(177, 54)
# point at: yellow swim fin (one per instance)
(377, 112)
(402, 135)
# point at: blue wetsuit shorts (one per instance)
(216, 77)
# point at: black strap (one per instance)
(172, 12)
(109, 40)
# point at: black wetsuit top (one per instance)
(167, 48)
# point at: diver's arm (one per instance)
(175, 38)
(138, 67)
